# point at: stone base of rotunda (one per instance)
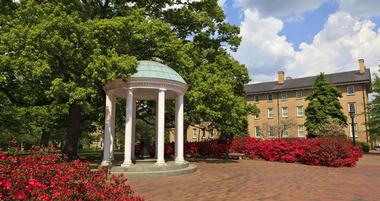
(149, 168)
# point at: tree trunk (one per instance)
(72, 138)
(45, 136)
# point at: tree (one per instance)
(332, 127)
(63, 52)
(374, 113)
(323, 107)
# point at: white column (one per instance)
(134, 130)
(179, 129)
(161, 127)
(107, 132)
(128, 130)
(113, 117)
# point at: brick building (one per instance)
(282, 103)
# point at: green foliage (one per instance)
(364, 146)
(324, 107)
(57, 55)
(374, 111)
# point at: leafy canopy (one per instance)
(374, 111)
(61, 53)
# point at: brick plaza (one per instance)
(262, 180)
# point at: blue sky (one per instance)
(304, 38)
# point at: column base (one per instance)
(127, 164)
(105, 163)
(160, 163)
(180, 160)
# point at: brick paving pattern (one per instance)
(262, 180)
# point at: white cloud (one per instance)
(347, 36)
(338, 46)
(363, 8)
(281, 7)
(262, 49)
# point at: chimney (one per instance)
(280, 77)
(361, 66)
(288, 78)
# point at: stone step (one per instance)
(190, 169)
(150, 167)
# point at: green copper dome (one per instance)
(153, 69)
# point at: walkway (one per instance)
(262, 180)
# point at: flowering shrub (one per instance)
(46, 176)
(328, 151)
(332, 152)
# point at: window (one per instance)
(300, 111)
(301, 131)
(203, 133)
(271, 131)
(257, 131)
(270, 97)
(299, 94)
(270, 113)
(211, 134)
(284, 95)
(351, 90)
(257, 116)
(355, 129)
(256, 98)
(285, 132)
(194, 133)
(284, 112)
(352, 106)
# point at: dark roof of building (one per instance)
(308, 82)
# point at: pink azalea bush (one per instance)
(47, 176)
(331, 152)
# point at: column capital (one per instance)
(162, 89)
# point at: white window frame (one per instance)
(270, 114)
(285, 114)
(299, 94)
(353, 90)
(194, 133)
(285, 132)
(298, 111)
(271, 131)
(356, 130)
(284, 95)
(203, 133)
(257, 116)
(349, 108)
(257, 131)
(301, 130)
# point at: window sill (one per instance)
(300, 116)
(351, 94)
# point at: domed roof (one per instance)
(153, 69)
